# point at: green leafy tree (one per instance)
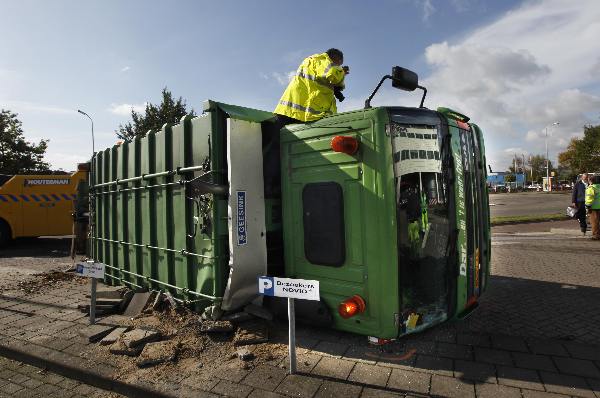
(154, 117)
(537, 167)
(18, 156)
(583, 154)
(519, 163)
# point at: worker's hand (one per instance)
(573, 204)
(346, 69)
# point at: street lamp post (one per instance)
(548, 185)
(83, 113)
(94, 282)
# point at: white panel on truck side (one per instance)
(246, 215)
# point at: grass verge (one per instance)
(526, 219)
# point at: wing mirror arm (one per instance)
(368, 101)
(423, 97)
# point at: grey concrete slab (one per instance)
(299, 386)
(407, 381)
(137, 304)
(486, 390)
(566, 384)
(370, 374)
(332, 389)
(94, 333)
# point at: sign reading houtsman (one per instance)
(46, 181)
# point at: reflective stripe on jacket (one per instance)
(309, 96)
(592, 196)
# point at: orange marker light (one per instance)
(344, 144)
(352, 306)
(463, 125)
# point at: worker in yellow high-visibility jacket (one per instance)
(592, 204)
(309, 96)
(311, 93)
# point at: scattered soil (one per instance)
(47, 280)
(199, 354)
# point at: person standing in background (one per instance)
(592, 204)
(578, 201)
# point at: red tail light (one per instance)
(352, 306)
(344, 144)
(463, 125)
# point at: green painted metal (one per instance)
(369, 213)
(367, 179)
(143, 220)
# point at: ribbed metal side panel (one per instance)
(143, 219)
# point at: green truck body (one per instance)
(402, 223)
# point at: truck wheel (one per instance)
(4, 233)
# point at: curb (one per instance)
(527, 221)
(566, 231)
(91, 378)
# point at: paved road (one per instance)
(29, 256)
(535, 334)
(21, 380)
(528, 203)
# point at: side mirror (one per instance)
(404, 79)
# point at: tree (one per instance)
(583, 154)
(18, 156)
(519, 162)
(537, 166)
(154, 117)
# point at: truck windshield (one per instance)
(4, 178)
(423, 223)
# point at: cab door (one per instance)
(34, 210)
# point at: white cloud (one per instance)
(30, 107)
(532, 136)
(125, 109)
(65, 161)
(426, 7)
(531, 67)
(281, 78)
(125, 69)
(462, 5)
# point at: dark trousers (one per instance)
(272, 156)
(581, 216)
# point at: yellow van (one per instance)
(38, 205)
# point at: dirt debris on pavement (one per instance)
(47, 280)
(185, 349)
(158, 352)
(216, 326)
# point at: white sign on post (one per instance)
(292, 289)
(90, 269)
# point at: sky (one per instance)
(514, 67)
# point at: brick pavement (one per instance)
(481, 357)
(20, 380)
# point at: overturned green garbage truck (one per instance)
(387, 207)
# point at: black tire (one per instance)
(5, 236)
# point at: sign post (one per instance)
(92, 270)
(292, 289)
(292, 335)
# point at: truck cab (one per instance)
(387, 208)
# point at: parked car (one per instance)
(534, 187)
(500, 188)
